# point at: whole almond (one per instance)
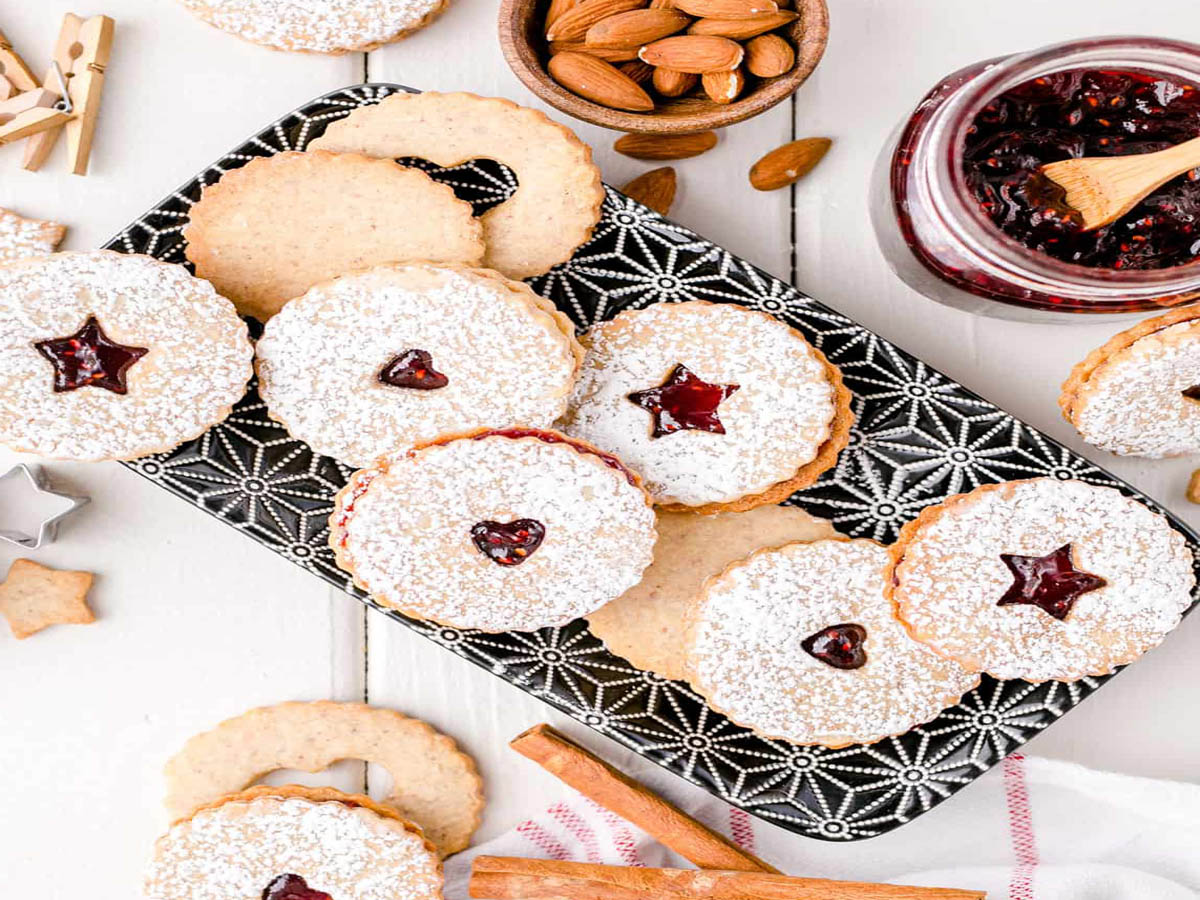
(666, 146)
(694, 53)
(636, 27)
(573, 24)
(723, 87)
(769, 55)
(662, 4)
(788, 164)
(598, 81)
(671, 83)
(726, 9)
(741, 29)
(638, 71)
(613, 55)
(556, 9)
(655, 189)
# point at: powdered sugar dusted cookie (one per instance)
(111, 356)
(318, 26)
(1139, 394)
(495, 530)
(645, 624)
(434, 784)
(800, 643)
(21, 237)
(559, 193)
(714, 405)
(370, 364)
(1041, 579)
(268, 231)
(282, 843)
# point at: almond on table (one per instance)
(655, 189)
(598, 81)
(694, 53)
(788, 164)
(665, 146)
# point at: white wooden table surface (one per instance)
(197, 623)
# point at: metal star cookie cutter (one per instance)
(48, 528)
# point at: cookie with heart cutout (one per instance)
(271, 229)
(801, 643)
(293, 843)
(645, 624)
(1139, 393)
(109, 355)
(499, 530)
(372, 363)
(1041, 579)
(716, 406)
(558, 196)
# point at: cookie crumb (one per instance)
(33, 597)
(21, 237)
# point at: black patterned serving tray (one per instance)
(919, 437)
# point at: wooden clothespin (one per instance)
(30, 113)
(14, 70)
(81, 54)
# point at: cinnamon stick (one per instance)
(612, 789)
(513, 878)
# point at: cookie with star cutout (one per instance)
(293, 843)
(1139, 394)
(801, 643)
(716, 406)
(1042, 579)
(108, 355)
(501, 530)
(372, 363)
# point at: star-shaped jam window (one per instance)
(1192, 393)
(684, 402)
(1050, 582)
(89, 357)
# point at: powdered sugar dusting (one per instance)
(232, 852)
(21, 237)
(407, 537)
(774, 424)
(197, 365)
(507, 360)
(1133, 403)
(320, 26)
(746, 654)
(950, 579)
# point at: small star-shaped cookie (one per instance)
(34, 597)
(684, 402)
(1050, 582)
(89, 357)
(21, 237)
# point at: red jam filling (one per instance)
(508, 544)
(1192, 393)
(89, 357)
(684, 402)
(413, 369)
(1050, 582)
(291, 887)
(840, 646)
(1076, 113)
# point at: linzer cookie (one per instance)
(800, 643)
(370, 364)
(21, 237)
(714, 405)
(1041, 579)
(496, 530)
(645, 624)
(1139, 394)
(268, 231)
(434, 784)
(111, 356)
(294, 843)
(318, 26)
(558, 196)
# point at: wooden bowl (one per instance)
(526, 49)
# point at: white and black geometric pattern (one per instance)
(919, 437)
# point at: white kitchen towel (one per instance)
(1030, 829)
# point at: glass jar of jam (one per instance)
(963, 216)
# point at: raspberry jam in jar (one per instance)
(963, 216)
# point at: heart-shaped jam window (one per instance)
(291, 887)
(413, 369)
(508, 544)
(840, 646)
